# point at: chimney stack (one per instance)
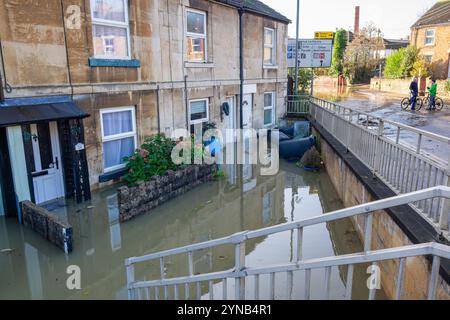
(357, 13)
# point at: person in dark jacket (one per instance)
(414, 87)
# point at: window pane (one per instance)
(195, 22)
(268, 116)
(109, 10)
(196, 49)
(45, 145)
(198, 110)
(268, 37)
(117, 123)
(267, 99)
(268, 56)
(115, 151)
(110, 41)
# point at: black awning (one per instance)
(26, 114)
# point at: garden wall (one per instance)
(47, 225)
(401, 86)
(140, 199)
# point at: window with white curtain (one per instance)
(269, 47)
(110, 29)
(118, 136)
(269, 102)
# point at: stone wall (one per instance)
(401, 86)
(47, 225)
(386, 232)
(140, 199)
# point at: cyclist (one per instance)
(432, 91)
(414, 87)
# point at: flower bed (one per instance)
(147, 195)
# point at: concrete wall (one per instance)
(401, 86)
(386, 233)
(41, 59)
(440, 50)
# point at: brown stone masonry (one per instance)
(47, 225)
(134, 201)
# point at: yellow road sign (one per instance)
(324, 35)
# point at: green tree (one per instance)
(340, 44)
(394, 65)
(401, 63)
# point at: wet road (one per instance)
(387, 106)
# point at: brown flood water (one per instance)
(243, 200)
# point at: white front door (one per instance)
(47, 172)
(232, 115)
(247, 111)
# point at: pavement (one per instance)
(387, 106)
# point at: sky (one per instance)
(393, 17)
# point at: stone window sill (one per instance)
(270, 67)
(98, 62)
(198, 64)
(112, 175)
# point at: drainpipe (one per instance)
(69, 75)
(241, 64)
(186, 102)
(2, 94)
(157, 108)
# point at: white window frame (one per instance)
(272, 107)
(272, 46)
(120, 135)
(196, 35)
(111, 23)
(207, 111)
(428, 57)
(428, 37)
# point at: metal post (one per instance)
(239, 266)
(296, 48)
(130, 280)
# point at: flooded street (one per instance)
(387, 106)
(243, 200)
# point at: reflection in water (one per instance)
(35, 269)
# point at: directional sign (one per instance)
(312, 53)
(322, 35)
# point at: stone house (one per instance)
(83, 82)
(431, 34)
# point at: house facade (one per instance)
(84, 82)
(431, 34)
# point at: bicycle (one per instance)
(406, 103)
(439, 103)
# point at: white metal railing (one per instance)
(297, 105)
(402, 166)
(182, 286)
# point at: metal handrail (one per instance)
(241, 271)
(403, 167)
(431, 135)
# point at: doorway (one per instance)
(46, 165)
(247, 104)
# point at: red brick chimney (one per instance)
(356, 29)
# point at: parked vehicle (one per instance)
(406, 103)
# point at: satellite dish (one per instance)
(226, 108)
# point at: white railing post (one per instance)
(445, 206)
(239, 256)
(130, 279)
(377, 161)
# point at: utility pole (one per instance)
(296, 49)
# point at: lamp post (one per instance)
(296, 49)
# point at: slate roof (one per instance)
(438, 14)
(257, 7)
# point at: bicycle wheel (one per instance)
(439, 104)
(419, 104)
(405, 103)
(426, 102)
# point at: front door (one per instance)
(47, 172)
(247, 111)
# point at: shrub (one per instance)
(447, 86)
(152, 159)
